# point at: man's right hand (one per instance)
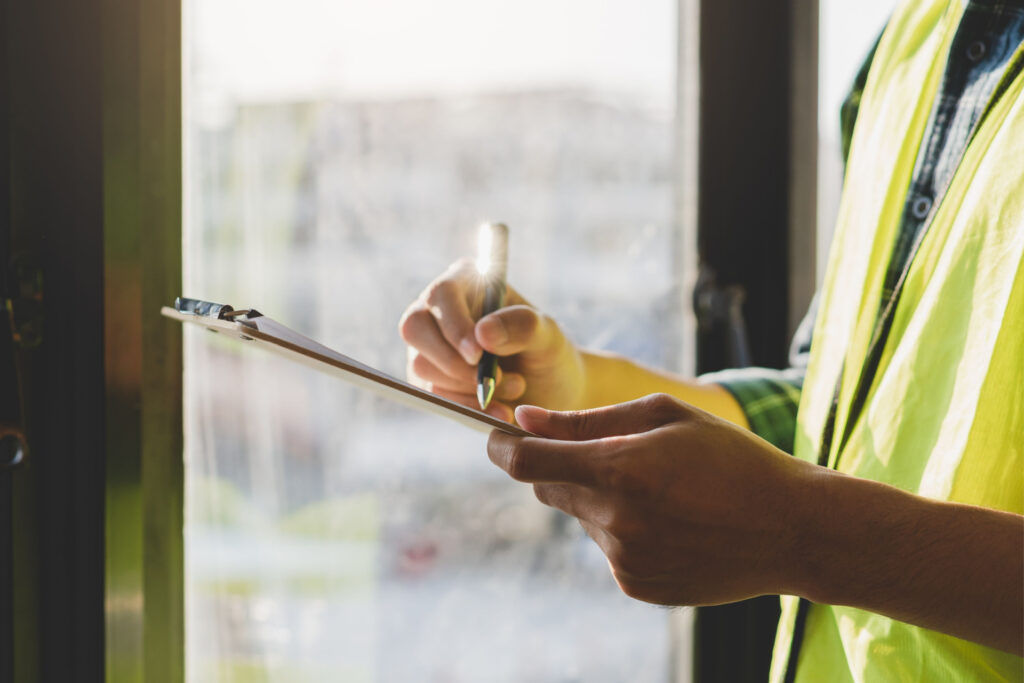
(538, 364)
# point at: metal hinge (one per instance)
(21, 329)
(24, 302)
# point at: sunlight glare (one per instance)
(484, 242)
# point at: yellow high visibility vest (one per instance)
(944, 415)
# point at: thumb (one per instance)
(516, 329)
(634, 417)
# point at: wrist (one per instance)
(851, 530)
(941, 565)
(817, 551)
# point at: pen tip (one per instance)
(485, 392)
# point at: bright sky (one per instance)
(263, 49)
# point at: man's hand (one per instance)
(692, 510)
(688, 508)
(539, 364)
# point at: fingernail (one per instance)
(529, 412)
(470, 351)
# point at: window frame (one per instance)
(757, 139)
(94, 133)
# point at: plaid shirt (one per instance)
(988, 35)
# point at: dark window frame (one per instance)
(93, 148)
(755, 226)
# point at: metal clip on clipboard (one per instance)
(210, 309)
(252, 326)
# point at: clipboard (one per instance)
(251, 326)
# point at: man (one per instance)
(898, 528)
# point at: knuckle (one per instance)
(582, 422)
(621, 561)
(420, 365)
(530, 321)
(520, 322)
(517, 461)
(662, 401)
(463, 265)
(628, 565)
(665, 406)
(542, 493)
(440, 292)
(412, 324)
(623, 528)
(617, 475)
(615, 557)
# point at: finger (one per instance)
(510, 386)
(420, 331)
(497, 409)
(540, 460)
(422, 367)
(446, 301)
(634, 417)
(515, 329)
(571, 499)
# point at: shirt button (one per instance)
(976, 50)
(920, 208)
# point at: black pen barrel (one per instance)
(487, 368)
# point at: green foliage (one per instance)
(214, 502)
(353, 518)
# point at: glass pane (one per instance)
(847, 30)
(339, 155)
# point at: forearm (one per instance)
(611, 379)
(954, 568)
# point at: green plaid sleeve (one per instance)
(769, 398)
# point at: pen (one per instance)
(492, 262)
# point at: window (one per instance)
(847, 32)
(339, 155)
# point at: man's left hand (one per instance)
(689, 509)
